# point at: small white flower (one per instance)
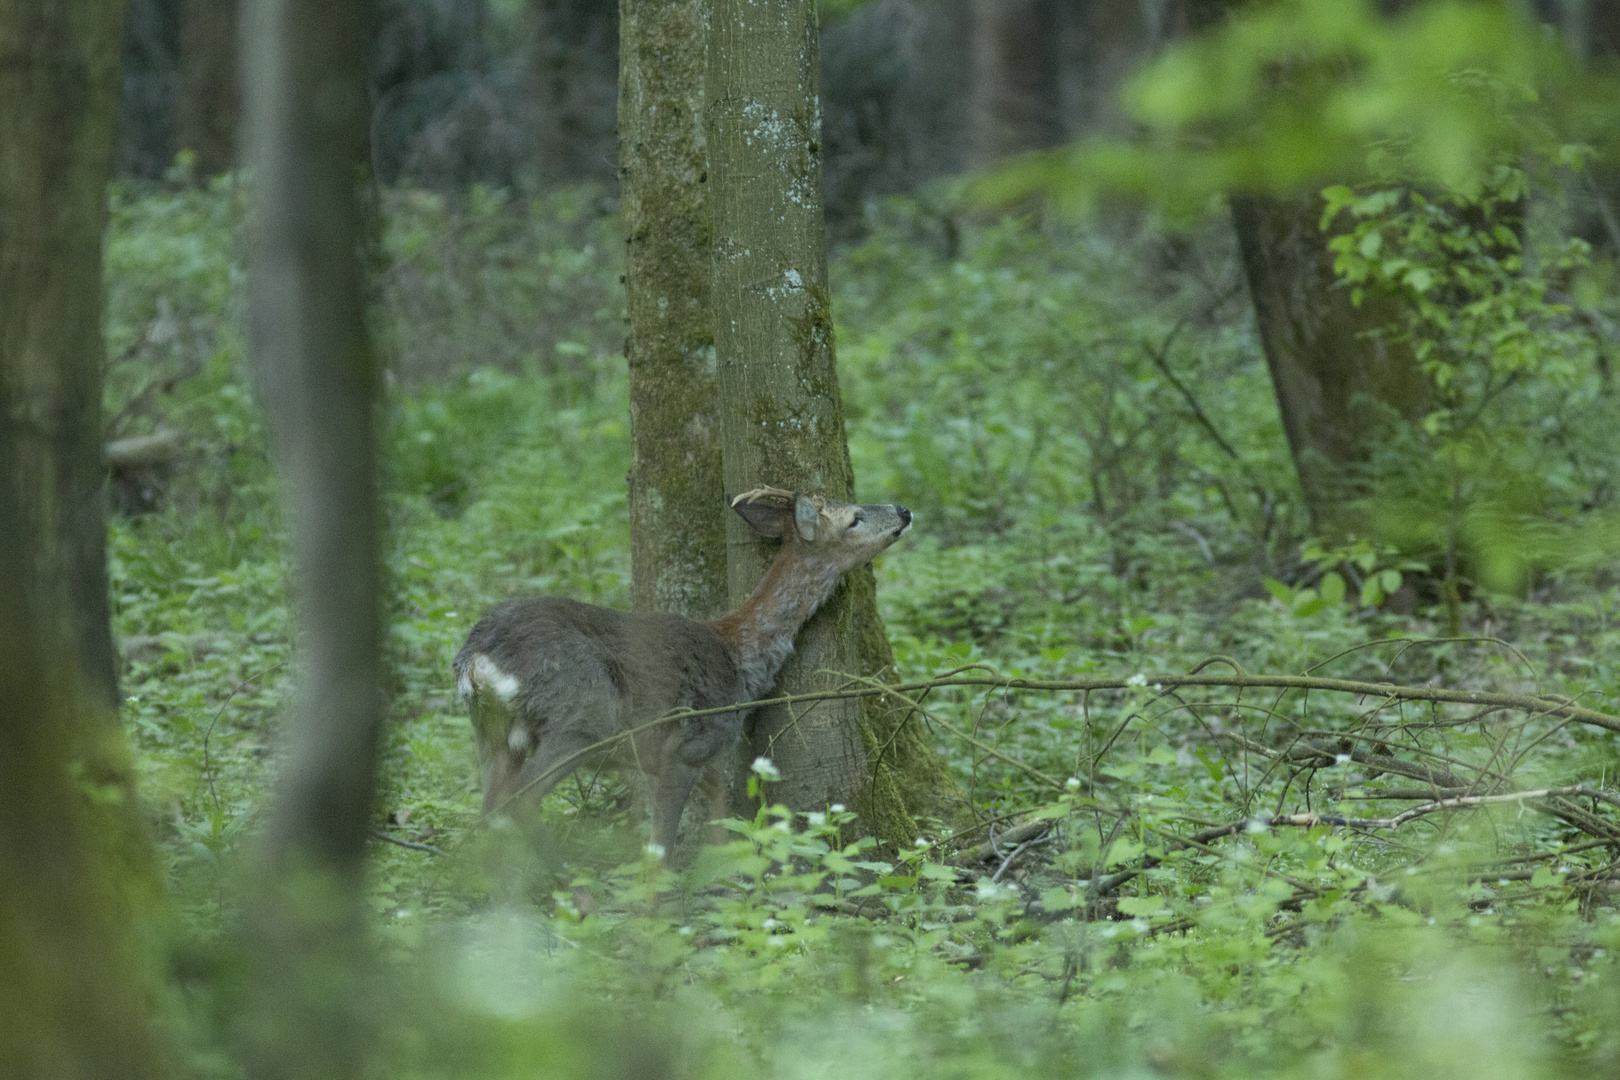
(685, 931)
(837, 808)
(1072, 783)
(1341, 759)
(765, 767)
(922, 841)
(1136, 680)
(816, 817)
(655, 850)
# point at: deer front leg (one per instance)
(671, 788)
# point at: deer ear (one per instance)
(763, 514)
(805, 516)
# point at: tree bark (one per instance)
(318, 382)
(1337, 384)
(677, 493)
(80, 892)
(207, 107)
(782, 418)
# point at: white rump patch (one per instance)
(482, 673)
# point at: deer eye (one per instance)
(854, 521)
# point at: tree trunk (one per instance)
(80, 887)
(145, 145)
(1101, 45)
(573, 77)
(782, 418)
(318, 382)
(1015, 87)
(677, 494)
(1337, 385)
(207, 106)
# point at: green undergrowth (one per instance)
(1082, 422)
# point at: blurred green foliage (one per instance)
(1299, 93)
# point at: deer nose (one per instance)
(905, 515)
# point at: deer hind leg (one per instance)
(558, 755)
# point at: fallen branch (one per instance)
(163, 445)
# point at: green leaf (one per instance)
(1141, 906)
(1280, 592)
(1057, 898)
(1542, 878)
(1332, 588)
(1372, 591)
(1211, 763)
(1307, 602)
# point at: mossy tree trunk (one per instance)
(1338, 383)
(677, 494)
(80, 891)
(317, 379)
(782, 420)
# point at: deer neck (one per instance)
(761, 630)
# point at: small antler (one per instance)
(768, 496)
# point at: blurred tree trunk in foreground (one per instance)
(677, 494)
(1014, 102)
(1336, 383)
(317, 378)
(206, 104)
(573, 78)
(782, 418)
(80, 890)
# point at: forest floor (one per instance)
(1081, 419)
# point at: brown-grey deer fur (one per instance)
(551, 683)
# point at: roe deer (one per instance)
(551, 684)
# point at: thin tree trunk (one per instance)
(206, 109)
(1337, 384)
(573, 76)
(677, 494)
(1015, 79)
(79, 885)
(318, 383)
(782, 418)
